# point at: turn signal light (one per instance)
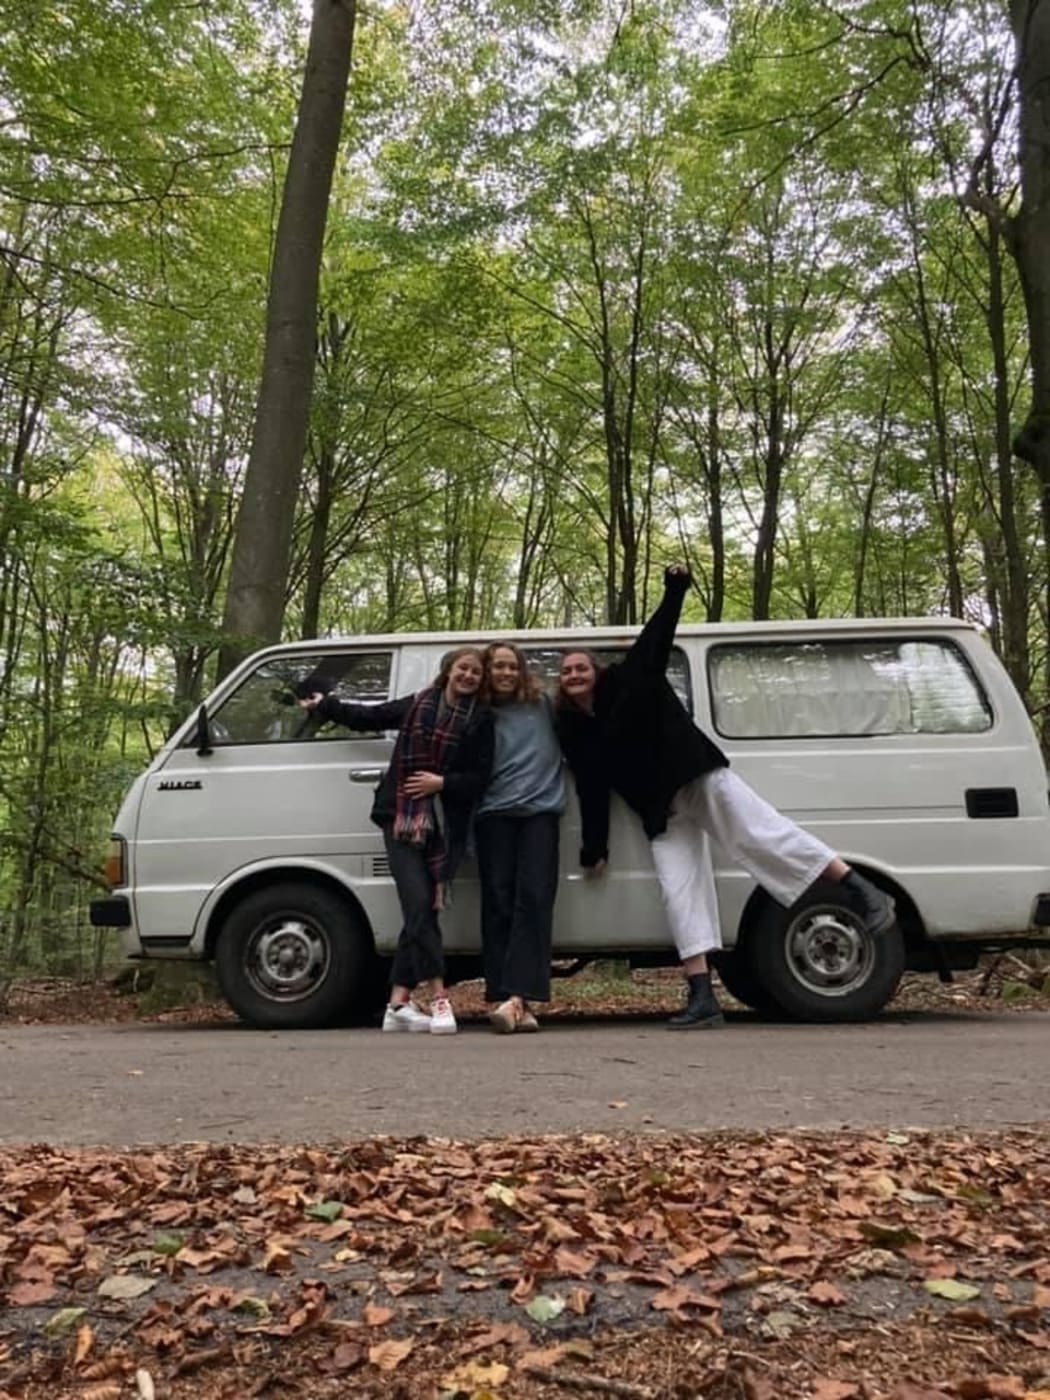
(115, 866)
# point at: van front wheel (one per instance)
(290, 956)
(819, 964)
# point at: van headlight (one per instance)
(115, 866)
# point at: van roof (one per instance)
(594, 636)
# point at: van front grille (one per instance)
(380, 867)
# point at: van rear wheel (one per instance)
(817, 961)
(291, 956)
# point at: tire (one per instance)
(816, 961)
(291, 956)
(737, 975)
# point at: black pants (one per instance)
(419, 954)
(518, 863)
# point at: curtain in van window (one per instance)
(810, 689)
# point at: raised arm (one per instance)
(651, 651)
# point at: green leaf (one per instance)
(325, 1210)
(888, 1236)
(63, 1321)
(545, 1308)
(254, 1307)
(952, 1289)
(168, 1244)
(495, 1239)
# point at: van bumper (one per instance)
(114, 912)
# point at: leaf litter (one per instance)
(881, 1266)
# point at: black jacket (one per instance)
(465, 780)
(640, 741)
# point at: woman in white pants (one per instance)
(624, 730)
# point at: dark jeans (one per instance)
(518, 864)
(419, 954)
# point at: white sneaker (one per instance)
(442, 1021)
(406, 1018)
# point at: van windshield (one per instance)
(264, 708)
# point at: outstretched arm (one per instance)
(369, 718)
(651, 651)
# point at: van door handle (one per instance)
(366, 775)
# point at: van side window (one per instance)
(784, 690)
(545, 662)
(263, 708)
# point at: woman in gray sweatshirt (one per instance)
(516, 833)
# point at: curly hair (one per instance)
(529, 686)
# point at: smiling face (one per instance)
(577, 678)
(464, 676)
(504, 673)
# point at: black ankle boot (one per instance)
(701, 1011)
(869, 903)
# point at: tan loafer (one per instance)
(505, 1018)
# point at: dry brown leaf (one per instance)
(676, 1298)
(84, 1342)
(579, 1300)
(388, 1355)
(829, 1389)
(992, 1387)
(347, 1355)
(376, 1316)
(826, 1294)
(30, 1293)
(503, 1333)
(106, 1391)
(543, 1359)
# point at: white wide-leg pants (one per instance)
(775, 851)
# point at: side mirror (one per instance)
(203, 732)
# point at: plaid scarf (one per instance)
(427, 742)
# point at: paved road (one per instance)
(124, 1085)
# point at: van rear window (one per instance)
(782, 690)
(264, 710)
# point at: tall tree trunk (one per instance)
(1030, 229)
(255, 598)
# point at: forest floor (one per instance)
(180, 992)
(878, 1265)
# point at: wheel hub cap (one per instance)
(288, 959)
(828, 953)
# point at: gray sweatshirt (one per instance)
(527, 767)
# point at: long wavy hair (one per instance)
(529, 687)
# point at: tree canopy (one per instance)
(602, 285)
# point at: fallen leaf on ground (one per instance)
(389, 1355)
(476, 1375)
(952, 1289)
(376, 1316)
(125, 1286)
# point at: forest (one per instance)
(761, 285)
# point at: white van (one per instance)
(902, 744)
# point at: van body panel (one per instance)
(894, 803)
